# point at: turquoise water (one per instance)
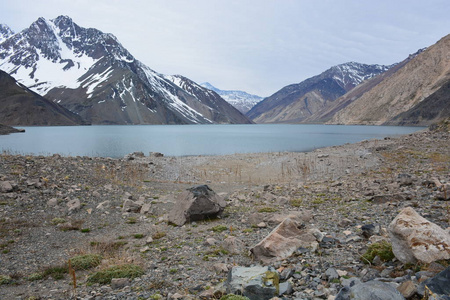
(180, 140)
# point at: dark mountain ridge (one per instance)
(21, 106)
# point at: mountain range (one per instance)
(91, 74)
(88, 77)
(243, 101)
(414, 92)
(297, 102)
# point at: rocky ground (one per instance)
(56, 208)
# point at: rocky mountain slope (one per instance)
(416, 94)
(90, 73)
(326, 113)
(21, 106)
(241, 100)
(297, 102)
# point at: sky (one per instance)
(258, 46)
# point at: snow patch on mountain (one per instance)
(5, 32)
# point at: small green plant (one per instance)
(158, 235)
(296, 202)
(173, 271)
(56, 221)
(35, 276)
(118, 271)
(267, 209)
(381, 249)
(219, 228)
(85, 230)
(131, 220)
(86, 261)
(5, 279)
(138, 236)
(156, 297)
(248, 230)
(56, 272)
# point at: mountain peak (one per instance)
(65, 19)
(243, 101)
(5, 32)
(90, 73)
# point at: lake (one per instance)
(181, 140)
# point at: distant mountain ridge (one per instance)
(297, 102)
(415, 94)
(91, 74)
(243, 101)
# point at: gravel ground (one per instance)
(342, 188)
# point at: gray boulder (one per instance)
(256, 283)
(131, 206)
(371, 290)
(437, 287)
(196, 203)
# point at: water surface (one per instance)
(180, 140)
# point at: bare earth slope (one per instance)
(408, 87)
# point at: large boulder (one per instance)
(283, 241)
(196, 203)
(371, 290)
(415, 239)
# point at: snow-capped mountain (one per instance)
(90, 73)
(298, 102)
(5, 32)
(243, 101)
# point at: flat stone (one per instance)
(283, 241)
(407, 288)
(371, 290)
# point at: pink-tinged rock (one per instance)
(5, 187)
(283, 241)
(415, 239)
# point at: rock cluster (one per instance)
(301, 239)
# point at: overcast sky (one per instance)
(258, 46)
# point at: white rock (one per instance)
(414, 238)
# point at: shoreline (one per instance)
(40, 229)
